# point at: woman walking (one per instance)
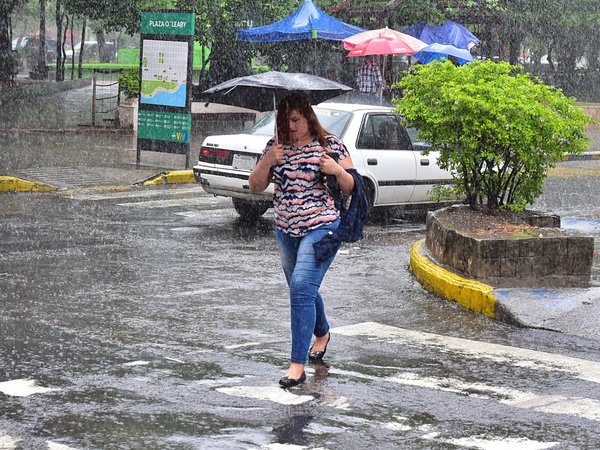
(297, 158)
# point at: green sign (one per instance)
(181, 24)
(164, 114)
(164, 126)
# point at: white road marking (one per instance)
(340, 403)
(246, 344)
(519, 357)
(551, 404)
(283, 447)
(56, 446)
(23, 388)
(220, 381)
(142, 192)
(168, 203)
(487, 443)
(399, 425)
(271, 393)
(205, 214)
(7, 442)
(216, 213)
(555, 404)
(136, 363)
(168, 358)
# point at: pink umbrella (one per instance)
(400, 43)
(384, 46)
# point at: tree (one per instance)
(217, 24)
(497, 129)
(41, 71)
(7, 62)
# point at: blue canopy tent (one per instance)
(307, 22)
(447, 33)
(439, 52)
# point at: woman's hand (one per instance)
(263, 171)
(330, 166)
(275, 155)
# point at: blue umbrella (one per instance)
(437, 52)
(307, 22)
(446, 33)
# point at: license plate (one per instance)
(242, 162)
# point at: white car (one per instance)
(90, 51)
(383, 151)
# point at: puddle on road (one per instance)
(582, 224)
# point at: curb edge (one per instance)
(170, 177)
(585, 156)
(471, 294)
(8, 183)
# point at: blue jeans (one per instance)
(304, 276)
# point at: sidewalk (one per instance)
(156, 168)
(570, 310)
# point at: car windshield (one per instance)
(332, 120)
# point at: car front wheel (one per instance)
(250, 210)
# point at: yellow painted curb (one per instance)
(10, 184)
(471, 294)
(171, 177)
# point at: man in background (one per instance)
(369, 81)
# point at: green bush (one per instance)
(498, 130)
(129, 83)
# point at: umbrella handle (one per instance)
(275, 111)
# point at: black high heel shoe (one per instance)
(287, 382)
(318, 356)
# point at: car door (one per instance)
(388, 157)
(428, 173)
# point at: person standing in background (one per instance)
(369, 81)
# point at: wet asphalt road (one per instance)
(154, 318)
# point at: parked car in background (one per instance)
(28, 46)
(385, 153)
(91, 52)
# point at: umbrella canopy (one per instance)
(436, 51)
(384, 46)
(307, 22)
(448, 33)
(263, 91)
(385, 33)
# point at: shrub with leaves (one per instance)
(129, 83)
(497, 129)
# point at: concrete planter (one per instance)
(127, 114)
(548, 256)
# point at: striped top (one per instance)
(301, 202)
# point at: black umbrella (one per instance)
(263, 91)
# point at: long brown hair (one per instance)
(299, 102)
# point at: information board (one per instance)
(166, 52)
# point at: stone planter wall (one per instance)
(557, 258)
(127, 114)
